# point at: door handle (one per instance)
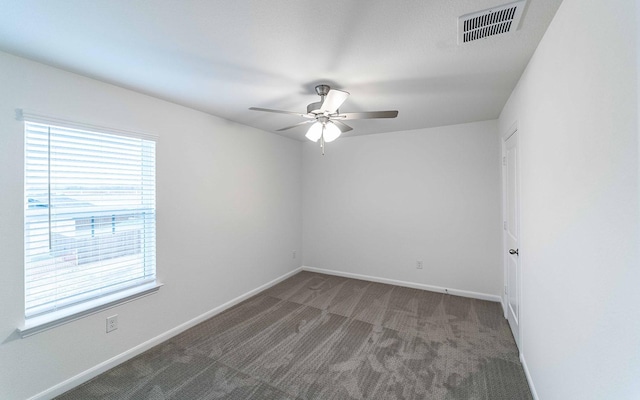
(512, 251)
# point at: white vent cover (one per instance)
(493, 21)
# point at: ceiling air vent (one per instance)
(493, 21)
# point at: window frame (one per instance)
(51, 319)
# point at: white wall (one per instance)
(229, 216)
(376, 204)
(576, 108)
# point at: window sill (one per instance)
(45, 322)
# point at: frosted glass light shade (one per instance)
(315, 132)
(331, 132)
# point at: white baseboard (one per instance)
(528, 375)
(456, 292)
(120, 358)
(503, 302)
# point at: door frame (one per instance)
(505, 247)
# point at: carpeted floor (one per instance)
(317, 336)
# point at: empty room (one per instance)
(334, 200)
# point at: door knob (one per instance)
(512, 251)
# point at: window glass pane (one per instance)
(89, 215)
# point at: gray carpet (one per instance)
(317, 336)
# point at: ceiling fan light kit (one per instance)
(325, 116)
(315, 132)
(327, 130)
(330, 132)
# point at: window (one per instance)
(90, 218)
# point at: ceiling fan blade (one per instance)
(368, 115)
(280, 112)
(334, 100)
(343, 127)
(293, 126)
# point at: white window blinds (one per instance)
(89, 215)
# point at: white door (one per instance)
(512, 230)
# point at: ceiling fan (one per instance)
(325, 117)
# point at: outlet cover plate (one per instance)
(112, 323)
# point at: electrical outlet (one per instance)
(293, 254)
(112, 323)
(419, 264)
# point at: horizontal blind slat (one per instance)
(73, 282)
(56, 304)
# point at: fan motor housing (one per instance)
(314, 108)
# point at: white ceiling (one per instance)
(222, 57)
